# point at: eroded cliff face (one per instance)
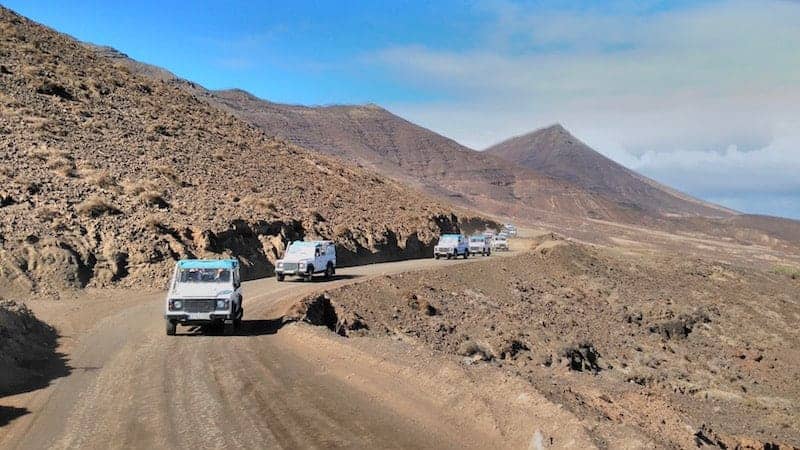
(98, 258)
(107, 177)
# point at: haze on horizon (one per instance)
(699, 95)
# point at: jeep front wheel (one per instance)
(280, 277)
(171, 327)
(309, 273)
(329, 271)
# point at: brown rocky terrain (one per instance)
(659, 351)
(108, 176)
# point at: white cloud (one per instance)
(705, 98)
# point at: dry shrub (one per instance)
(259, 204)
(96, 207)
(136, 187)
(102, 179)
(154, 198)
(46, 214)
(168, 173)
(153, 223)
(340, 230)
(791, 272)
(41, 152)
(63, 167)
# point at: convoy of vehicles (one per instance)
(204, 292)
(209, 292)
(455, 245)
(479, 245)
(451, 246)
(306, 258)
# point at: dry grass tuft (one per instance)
(259, 204)
(341, 230)
(168, 173)
(136, 187)
(791, 272)
(96, 207)
(154, 198)
(63, 166)
(102, 179)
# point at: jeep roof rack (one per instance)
(208, 263)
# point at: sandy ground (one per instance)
(293, 386)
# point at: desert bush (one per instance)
(791, 272)
(46, 214)
(45, 153)
(340, 230)
(259, 204)
(154, 198)
(101, 179)
(63, 167)
(96, 207)
(168, 173)
(136, 187)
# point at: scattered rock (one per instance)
(581, 358)
(57, 90)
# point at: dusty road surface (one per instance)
(293, 386)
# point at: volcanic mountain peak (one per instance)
(556, 152)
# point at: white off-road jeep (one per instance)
(510, 229)
(451, 246)
(479, 245)
(306, 258)
(500, 242)
(204, 292)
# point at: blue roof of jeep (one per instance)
(208, 263)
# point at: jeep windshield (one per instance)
(204, 276)
(476, 239)
(297, 251)
(448, 241)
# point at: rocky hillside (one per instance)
(651, 352)
(107, 176)
(556, 152)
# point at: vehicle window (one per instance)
(205, 276)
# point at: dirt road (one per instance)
(295, 386)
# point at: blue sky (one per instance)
(701, 95)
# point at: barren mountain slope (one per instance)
(374, 137)
(107, 176)
(578, 183)
(555, 152)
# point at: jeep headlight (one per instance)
(175, 304)
(222, 304)
(302, 264)
(280, 264)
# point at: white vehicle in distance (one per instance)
(510, 229)
(306, 258)
(204, 292)
(478, 244)
(500, 242)
(451, 246)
